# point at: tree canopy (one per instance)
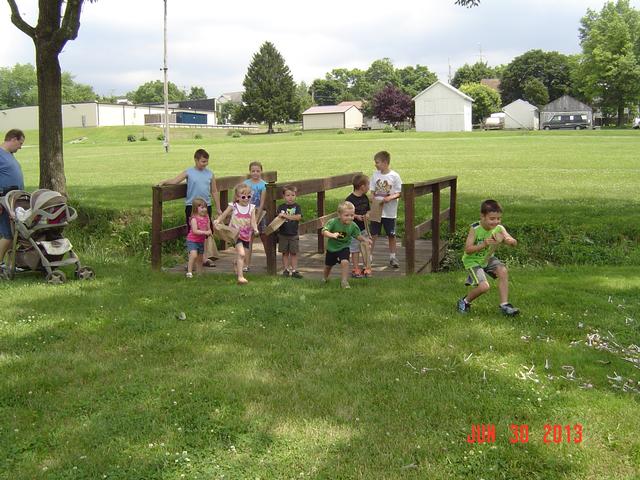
(392, 105)
(153, 92)
(485, 100)
(269, 90)
(472, 73)
(535, 92)
(197, 93)
(610, 64)
(553, 69)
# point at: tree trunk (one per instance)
(620, 114)
(270, 130)
(50, 117)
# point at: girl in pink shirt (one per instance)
(243, 219)
(200, 229)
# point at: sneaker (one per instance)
(394, 262)
(296, 274)
(189, 275)
(246, 269)
(286, 273)
(367, 273)
(345, 285)
(463, 306)
(509, 310)
(356, 273)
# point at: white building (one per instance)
(90, 114)
(521, 115)
(443, 108)
(331, 116)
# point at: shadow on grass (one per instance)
(280, 379)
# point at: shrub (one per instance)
(236, 135)
(340, 132)
(298, 133)
(143, 139)
(198, 136)
(388, 129)
(131, 138)
(160, 136)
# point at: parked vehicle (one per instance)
(573, 122)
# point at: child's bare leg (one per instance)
(240, 256)
(248, 253)
(355, 260)
(483, 287)
(326, 272)
(344, 272)
(285, 261)
(198, 263)
(193, 255)
(293, 261)
(503, 283)
(392, 244)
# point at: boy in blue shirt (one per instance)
(479, 261)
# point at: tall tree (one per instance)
(304, 99)
(49, 36)
(472, 73)
(76, 92)
(392, 105)
(328, 92)
(413, 80)
(269, 89)
(197, 93)
(610, 66)
(485, 100)
(18, 86)
(553, 69)
(153, 92)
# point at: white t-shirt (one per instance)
(383, 185)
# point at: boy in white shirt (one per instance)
(386, 185)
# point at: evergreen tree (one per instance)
(269, 89)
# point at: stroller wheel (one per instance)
(56, 277)
(85, 273)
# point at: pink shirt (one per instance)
(203, 224)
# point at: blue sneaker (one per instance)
(463, 306)
(509, 310)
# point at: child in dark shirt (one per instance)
(360, 201)
(288, 239)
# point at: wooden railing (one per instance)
(167, 193)
(304, 187)
(412, 231)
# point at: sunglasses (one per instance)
(244, 197)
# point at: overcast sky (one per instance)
(211, 43)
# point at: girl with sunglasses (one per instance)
(243, 219)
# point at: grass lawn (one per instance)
(287, 379)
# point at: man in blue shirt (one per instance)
(11, 178)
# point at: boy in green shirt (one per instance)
(482, 241)
(340, 231)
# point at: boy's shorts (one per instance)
(355, 243)
(288, 243)
(334, 258)
(197, 246)
(479, 274)
(389, 225)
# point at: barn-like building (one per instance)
(443, 108)
(331, 116)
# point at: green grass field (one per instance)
(289, 379)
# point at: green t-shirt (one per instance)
(347, 232)
(480, 258)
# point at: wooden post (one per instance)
(270, 246)
(320, 208)
(409, 199)
(452, 206)
(435, 230)
(156, 227)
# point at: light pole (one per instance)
(166, 85)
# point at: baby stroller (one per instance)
(38, 241)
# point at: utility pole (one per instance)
(166, 85)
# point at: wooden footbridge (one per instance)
(415, 254)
